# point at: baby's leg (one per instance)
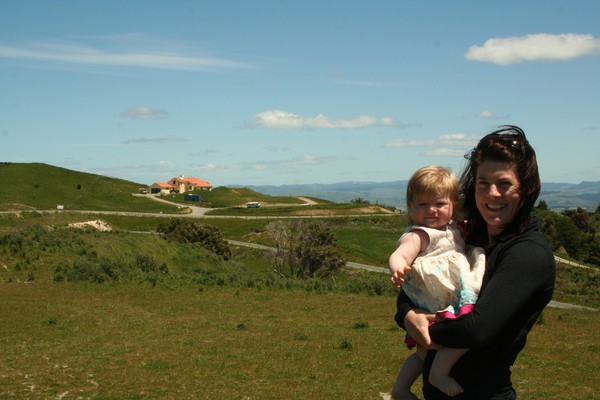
(410, 371)
(443, 362)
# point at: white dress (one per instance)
(444, 277)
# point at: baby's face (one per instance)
(432, 211)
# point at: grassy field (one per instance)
(73, 341)
(128, 315)
(211, 329)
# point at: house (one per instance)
(161, 187)
(180, 184)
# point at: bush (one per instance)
(305, 249)
(139, 268)
(204, 235)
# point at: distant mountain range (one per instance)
(557, 195)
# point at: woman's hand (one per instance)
(417, 324)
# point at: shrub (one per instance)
(204, 235)
(346, 344)
(305, 249)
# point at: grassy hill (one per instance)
(38, 186)
(43, 187)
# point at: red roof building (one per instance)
(181, 184)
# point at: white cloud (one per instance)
(143, 112)
(82, 54)
(534, 47)
(271, 165)
(164, 139)
(367, 83)
(278, 119)
(444, 145)
(456, 139)
(206, 167)
(303, 160)
(166, 164)
(486, 114)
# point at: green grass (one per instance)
(214, 329)
(134, 341)
(44, 187)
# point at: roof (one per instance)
(163, 185)
(194, 181)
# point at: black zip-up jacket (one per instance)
(518, 283)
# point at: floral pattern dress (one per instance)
(445, 278)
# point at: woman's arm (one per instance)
(415, 321)
(521, 270)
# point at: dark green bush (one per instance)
(204, 235)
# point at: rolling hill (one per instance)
(44, 187)
(558, 196)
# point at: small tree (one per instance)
(305, 249)
(360, 200)
(204, 235)
(282, 235)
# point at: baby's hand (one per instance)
(399, 274)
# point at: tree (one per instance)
(360, 200)
(204, 235)
(305, 249)
(542, 205)
(582, 219)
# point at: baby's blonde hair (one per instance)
(431, 179)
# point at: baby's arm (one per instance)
(409, 247)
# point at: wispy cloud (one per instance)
(164, 139)
(487, 114)
(534, 47)
(445, 145)
(303, 160)
(84, 54)
(204, 153)
(278, 119)
(275, 165)
(144, 112)
(374, 84)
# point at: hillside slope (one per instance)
(44, 187)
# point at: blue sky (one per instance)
(284, 92)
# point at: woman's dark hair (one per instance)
(507, 144)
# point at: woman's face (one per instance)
(497, 194)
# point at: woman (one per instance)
(500, 186)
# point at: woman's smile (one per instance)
(497, 194)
